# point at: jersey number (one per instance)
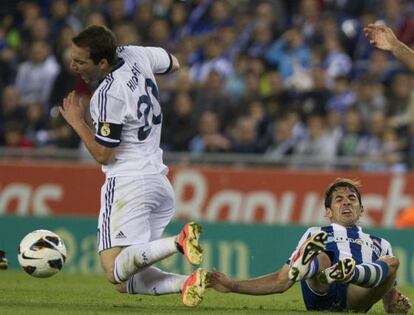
(145, 108)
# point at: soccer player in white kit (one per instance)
(137, 200)
(340, 267)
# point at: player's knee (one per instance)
(392, 262)
(324, 261)
(109, 273)
(121, 287)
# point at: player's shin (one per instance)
(313, 268)
(135, 257)
(154, 281)
(370, 275)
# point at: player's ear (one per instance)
(103, 64)
(328, 213)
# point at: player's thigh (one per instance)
(107, 258)
(162, 214)
(361, 299)
(125, 211)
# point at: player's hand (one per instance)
(219, 281)
(381, 36)
(73, 109)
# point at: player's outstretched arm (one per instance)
(395, 302)
(277, 282)
(382, 37)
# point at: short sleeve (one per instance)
(386, 249)
(160, 60)
(110, 120)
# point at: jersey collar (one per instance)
(120, 62)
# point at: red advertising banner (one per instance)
(270, 196)
(49, 188)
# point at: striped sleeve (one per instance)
(386, 249)
(110, 114)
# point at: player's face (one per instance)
(345, 207)
(82, 64)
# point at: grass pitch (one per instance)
(68, 293)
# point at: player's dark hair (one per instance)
(353, 185)
(99, 41)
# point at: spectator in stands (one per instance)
(351, 133)
(289, 53)
(369, 97)
(126, 34)
(400, 109)
(35, 77)
(319, 145)
(11, 109)
(61, 17)
(395, 16)
(307, 18)
(209, 138)
(314, 101)
(343, 96)
(283, 142)
(116, 13)
(369, 147)
(336, 62)
(244, 136)
(36, 124)
(210, 96)
(179, 124)
(14, 136)
(212, 61)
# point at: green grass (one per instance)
(79, 294)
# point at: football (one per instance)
(42, 253)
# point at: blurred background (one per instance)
(273, 101)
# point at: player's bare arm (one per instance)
(382, 37)
(73, 111)
(277, 282)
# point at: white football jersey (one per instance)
(127, 114)
(350, 242)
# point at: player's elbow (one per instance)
(392, 262)
(284, 286)
(104, 155)
(175, 64)
(102, 160)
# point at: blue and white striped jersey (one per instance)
(126, 112)
(350, 242)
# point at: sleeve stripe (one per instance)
(107, 142)
(102, 97)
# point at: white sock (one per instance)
(154, 281)
(135, 257)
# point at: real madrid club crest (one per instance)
(105, 130)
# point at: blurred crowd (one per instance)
(282, 78)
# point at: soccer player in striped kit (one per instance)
(137, 199)
(340, 267)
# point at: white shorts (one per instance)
(134, 210)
